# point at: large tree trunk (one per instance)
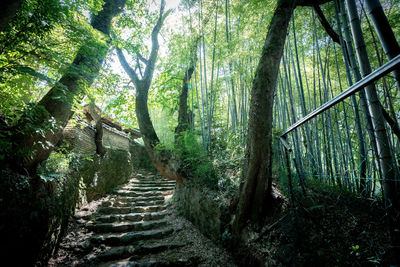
(8, 8)
(253, 200)
(164, 160)
(255, 190)
(56, 105)
(183, 114)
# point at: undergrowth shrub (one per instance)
(195, 159)
(228, 152)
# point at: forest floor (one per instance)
(136, 226)
(327, 227)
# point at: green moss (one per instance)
(195, 160)
(103, 174)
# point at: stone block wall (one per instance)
(203, 208)
(80, 137)
(102, 174)
(115, 139)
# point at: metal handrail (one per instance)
(370, 78)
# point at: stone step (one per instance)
(126, 226)
(148, 185)
(128, 199)
(130, 237)
(122, 252)
(126, 210)
(144, 184)
(143, 194)
(138, 203)
(151, 180)
(146, 189)
(132, 217)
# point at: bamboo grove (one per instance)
(339, 146)
(194, 70)
(353, 145)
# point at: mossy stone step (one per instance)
(148, 188)
(150, 185)
(130, 237)
(126, 226)
(138, 203)
(132, 217)
(150, 181)
(143, 194)
(165, 263)
(126, 210)
(128, 199)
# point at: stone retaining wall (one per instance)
(204, 209)
(80, 136)
(102, 174)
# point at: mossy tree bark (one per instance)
(183, 114)
(257, 169)
(255, 190)
(56, 106)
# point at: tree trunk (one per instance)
(256, 187)
(362, 94)
(57, 103)
(183, 114)
(385, 33)
(98, 136)
(164, 160)
(360, 135)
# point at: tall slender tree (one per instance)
(385, 33)
(164, 160)
(183, 114)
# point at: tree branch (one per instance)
(324, 22)
(138, 67)
(125, 65)
(142, 58)
(148, 73)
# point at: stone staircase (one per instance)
(135, 226)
